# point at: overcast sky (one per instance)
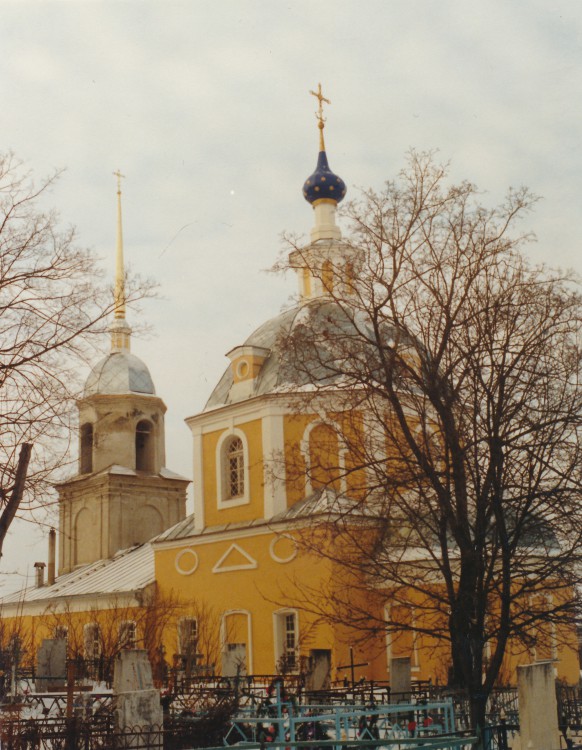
(204, 106)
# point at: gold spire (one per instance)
(119, 265)
(319, 114)
(120, 330)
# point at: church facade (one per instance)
(239, 579)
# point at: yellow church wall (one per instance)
(430, 656)
(235, 512)
(338, 431)
(240, 575)
(72, 616)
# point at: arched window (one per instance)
(144, 446)
(234, 467)
(86, 453)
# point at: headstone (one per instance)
(133, 671)
(138, 703)
(51, 665)
(538, 708)
(400, 678)
(319, 674)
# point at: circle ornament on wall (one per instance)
(283, 548)
(186, 562)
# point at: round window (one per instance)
(242, 369)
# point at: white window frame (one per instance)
(224, 634)
(280, 635)
(95, 641)
(127, 634)
(186, 640)
(223, 501)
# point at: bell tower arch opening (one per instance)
(86, 451)
(144, 446)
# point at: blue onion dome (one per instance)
(323, 184)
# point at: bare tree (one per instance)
(52, 302)
(451, 368)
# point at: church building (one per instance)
(234, 575)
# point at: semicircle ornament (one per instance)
(186, 561)
(287, 548)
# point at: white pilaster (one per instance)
(275, 495)
(198, 479)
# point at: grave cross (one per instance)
(353, 666)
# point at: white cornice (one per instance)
(220, 418)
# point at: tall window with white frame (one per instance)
(287, 641)
(234, 469)
(91, 641)
(187, 636)
(127, 634)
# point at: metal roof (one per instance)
(285, 371)
(320, 503)
(130, 570)
(119, 372)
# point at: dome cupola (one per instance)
(323, 189)
(323, 184)
(120, 372)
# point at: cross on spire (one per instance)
(319, 114)
(119, 178)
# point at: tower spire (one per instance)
(119, 329)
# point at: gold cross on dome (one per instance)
(119, 178)
(319, 114)
(321, 98)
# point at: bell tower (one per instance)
(122, 494)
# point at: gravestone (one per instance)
(400, 678)
(319, 675)
(51, 665)
(138, 702)
(538, 708)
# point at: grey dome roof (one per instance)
(119, 372)
(280, 372)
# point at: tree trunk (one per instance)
(7, 515)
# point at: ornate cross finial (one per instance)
(319, 114)
(119, 178)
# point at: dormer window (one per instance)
(246, 364)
